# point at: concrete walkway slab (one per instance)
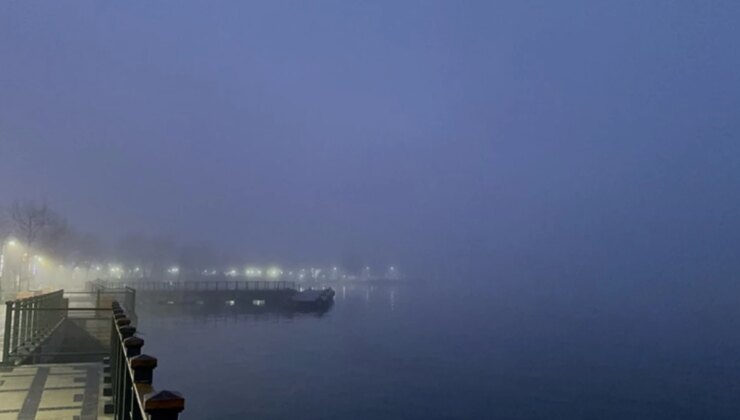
(52, 391)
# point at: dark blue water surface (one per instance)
(476, 351)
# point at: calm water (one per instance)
(442, 352)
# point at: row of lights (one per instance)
(272, 272)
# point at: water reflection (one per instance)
(230, 309)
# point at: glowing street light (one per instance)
(253, 272)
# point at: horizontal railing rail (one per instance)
(29, 321)
(131, 375)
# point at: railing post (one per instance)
(164, 405)
(127, 331)
(31, 324)
(143, 371)
(6, 340)
(114, 346)
(143, 366)
(133, 345)
(42, 316)
(24, 320)
(97, 302)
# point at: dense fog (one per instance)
(544, 142)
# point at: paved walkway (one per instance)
(52, 391)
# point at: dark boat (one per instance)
(313, 298)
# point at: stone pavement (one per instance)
(70, 391)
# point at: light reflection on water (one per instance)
(406, 352)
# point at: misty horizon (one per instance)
(460, 139)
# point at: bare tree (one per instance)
(29, 220)
(37, 227)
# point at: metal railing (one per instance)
(29, 321)
(131, 374)
(106, 294)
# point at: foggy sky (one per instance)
(487, 137)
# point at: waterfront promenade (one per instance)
(76, 356)
(52, 390)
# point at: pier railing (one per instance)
(198, 285)
(131, 374)
(105, 294)
(29, 321)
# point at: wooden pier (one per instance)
(269, 294)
